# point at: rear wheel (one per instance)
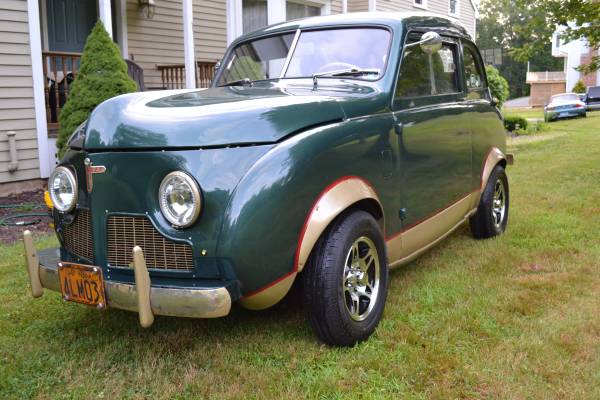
(491, 217)
(345, 281)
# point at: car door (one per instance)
(434, 131)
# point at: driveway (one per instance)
(519, 102)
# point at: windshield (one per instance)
(317, 52)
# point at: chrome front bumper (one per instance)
(141, 297)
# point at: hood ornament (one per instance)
(90, 170)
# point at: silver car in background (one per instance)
(564, 105)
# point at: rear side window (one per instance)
(426, 75)
(474, 77)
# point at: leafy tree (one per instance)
(579, 18)
(498, 85)
(579, 87)
(102, 75)
(498, 28)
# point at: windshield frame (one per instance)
(297, 32)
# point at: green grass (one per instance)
(525, 112)
(515, 317)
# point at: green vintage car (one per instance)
(327, 151)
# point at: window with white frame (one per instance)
(420, 3)
(254, 15)
(245, 16)
(295, 10)
(453, 7)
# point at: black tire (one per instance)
(486, 224)
(326, 273)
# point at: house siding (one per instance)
(17, 111)
(466, 11)
(358, 5)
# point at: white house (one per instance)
(575, 53)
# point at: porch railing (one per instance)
(173, 75)
(546, 76)
(60, 69)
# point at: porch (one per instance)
(139, 28)
(61, 68)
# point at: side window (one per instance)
(474, 78)
(426, 75)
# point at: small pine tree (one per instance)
(102, 75)
(579, 87)
(498, 85)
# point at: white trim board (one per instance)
(37, 73)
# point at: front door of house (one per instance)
(69, 23)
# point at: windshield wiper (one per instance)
(240, 82)
(345, 72)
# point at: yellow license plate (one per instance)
(82, 284)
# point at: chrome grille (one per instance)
(125, 232)
(77, 237)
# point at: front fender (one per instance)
(288, 198)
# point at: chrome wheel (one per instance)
(499, 203)
(361, 278)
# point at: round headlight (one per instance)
(179, 199)
(62, 187)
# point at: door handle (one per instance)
(398, 128)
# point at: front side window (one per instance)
(423, 74)
(355, 53)
(474, 78)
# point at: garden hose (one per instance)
(8, 221)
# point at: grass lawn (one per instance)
(525, 112)
(514, 317)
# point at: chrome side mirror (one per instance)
(430, 43)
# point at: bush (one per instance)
(498, 85)
(532, 129)
(514, 122)
(579, 87)
(102, 75)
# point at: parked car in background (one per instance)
(327, 151)
(564, 105)
(592, 98)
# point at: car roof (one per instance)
(410, 20)
(565, 94)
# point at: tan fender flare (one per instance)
(337, 197)
(493, 158)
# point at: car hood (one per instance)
(213, 117)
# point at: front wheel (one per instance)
(491, 217)
(346, 279)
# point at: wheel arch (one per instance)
(346, 193)
(494, 157)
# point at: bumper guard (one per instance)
(141, 297)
